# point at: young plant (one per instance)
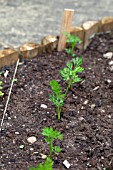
(1, 93)
(46, 166)
(15, 80)
(50, 135)
(72, 40)
(69, 73)
(57, 97)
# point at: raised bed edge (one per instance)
(49, 43)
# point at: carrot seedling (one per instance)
(72, 40)
(46, 166)
(50, 135)
(57, 97)
(69, 73)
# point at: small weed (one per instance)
(15, 80)
(1, 93)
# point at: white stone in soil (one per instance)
(108, 55)
(17, 133)
(110, 63)
(81, 118)
(14, 142)
(6, 73)
(93, 106)
(43, 106)
(43, 156)
(31, 149)
(85, 102)
(66, 164)
(111, 69)
(108, 81)
(96, 88)
(109, 116)
(31, 139)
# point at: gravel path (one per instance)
(30, 20)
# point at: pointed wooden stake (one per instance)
(66, 27)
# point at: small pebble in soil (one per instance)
(6, 73)
(110, 62)
(43, 106)
(43, 156)
(93, 106)
(85, 102)
(31, 149)
(108, 55)
(81, 118)
(14, 142)
(101, 110)
(96, 88)
(111, 69)
(108, 81)
(66, 164)
(31, 139)
(17, 133)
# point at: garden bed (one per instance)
(87, 116)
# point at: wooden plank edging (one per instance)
(65, 27)
(8, 57)
(50, 43)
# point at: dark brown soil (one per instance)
(87, 116)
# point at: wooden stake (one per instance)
(66, 27)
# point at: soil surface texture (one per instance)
(22, 20)
(87, 116)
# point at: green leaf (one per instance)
(79, 69)
(69, 65)
(77, 61)
(1, 94)
(49, 132)
(73, 55)
(55, 86)
(68, 50)
(57, 149)
(65, 73)
(56, 97)
(70, 72)
(58, 100)
(77, 79)
(78, 40)
(46, 166)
